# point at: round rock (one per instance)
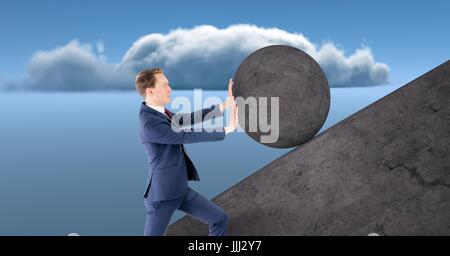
(283, 96)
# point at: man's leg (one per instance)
(158, 215)
(206, 211)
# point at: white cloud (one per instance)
(206, 56)
(75, 67)
(201, 57)
(359, 69)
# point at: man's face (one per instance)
(162, 91)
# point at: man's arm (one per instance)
(161, 132)
(185, 119)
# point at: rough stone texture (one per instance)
(384, 169)
(299, 82)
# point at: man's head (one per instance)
(153, 85)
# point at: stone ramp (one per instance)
(384, 169)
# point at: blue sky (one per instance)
(410, 37)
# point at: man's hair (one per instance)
(146, 79)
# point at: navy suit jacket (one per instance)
(169, 166)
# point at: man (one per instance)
(169, 166)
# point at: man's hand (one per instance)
(233, 119)
(230, 98)
(230, 88)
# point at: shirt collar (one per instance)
(153, 109)
(157, 108)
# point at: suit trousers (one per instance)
(159, 213)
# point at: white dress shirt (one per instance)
(157, 108)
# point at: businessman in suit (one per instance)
(170, 168)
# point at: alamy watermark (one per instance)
(263, 116)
